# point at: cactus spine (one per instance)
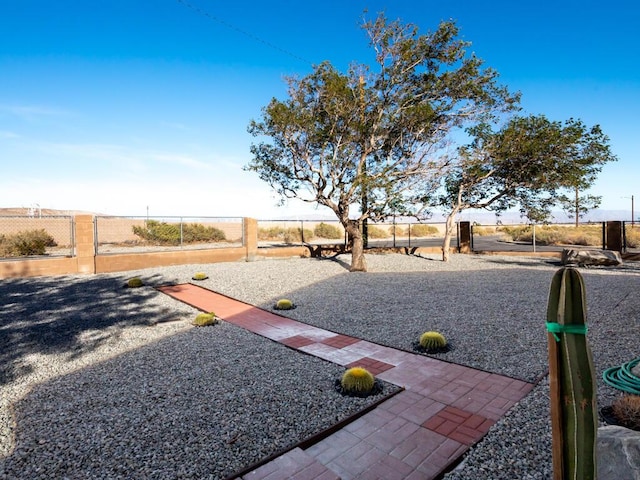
(572, 381)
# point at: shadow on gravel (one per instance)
(66, 315)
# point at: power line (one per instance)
(208, 15)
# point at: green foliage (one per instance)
(284, 304)
(572, 378)
(432, 341)
(163, 233)
(196, 232)
(626, 409)
(25, 243)
(422, 230)
(205, 319)
(357, 380)
(326, 230)
(199, 276)
(135, 282)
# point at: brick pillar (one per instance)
(251, 238)
(465, 237)
(613, 236)
(85, 245)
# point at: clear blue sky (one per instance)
(118, 105)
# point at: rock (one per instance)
(572, 256)
(618, 453)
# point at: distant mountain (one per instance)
(485, 218)
(35, 212)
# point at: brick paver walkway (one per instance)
(417, 434)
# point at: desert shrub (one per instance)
(205, 319)
(294, 235)
(284, 304)
(357, 380)
(376, 232)
(24, 243)
(287, 235)
(633, 236)
(627, 411)
(432, 341)
(164, 233)
(483, 231)
(196, 232)
(397, 230)
(326, 230)
(422, 230)
(159, 232)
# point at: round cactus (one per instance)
(357, 380)
(134, 282)
(432, 341)
(284, 304)
(199, 276)
(205, 319)
(627, 411)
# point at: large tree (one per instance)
(525, 164)
(360, 142)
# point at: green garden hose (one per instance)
(622, 378)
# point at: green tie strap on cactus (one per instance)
(623, 378)
(574, 420)
(556, 328)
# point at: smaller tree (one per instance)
(526, 164)
(578, 205)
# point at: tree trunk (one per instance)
(358, 263)
(448, 233)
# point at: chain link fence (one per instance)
(35, 236)
(147, 234)
(631, 237)
(536, 238)
(324, 232)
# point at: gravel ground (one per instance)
(105, 381)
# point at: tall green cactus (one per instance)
(572, 380)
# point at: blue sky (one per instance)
(115, 106)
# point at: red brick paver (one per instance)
(417, 434)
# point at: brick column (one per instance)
(465, 237)
(613, 236)
(251, 238)
(85, 246)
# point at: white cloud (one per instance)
(31, 112)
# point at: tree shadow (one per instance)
(70, 315)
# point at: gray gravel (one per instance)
(123, 384)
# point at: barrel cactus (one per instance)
(574, 420)
(284, 304)
(627, 411)
(205, 319)
(432, 341)
(134, 282)
(357, 380)
(199, 276)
